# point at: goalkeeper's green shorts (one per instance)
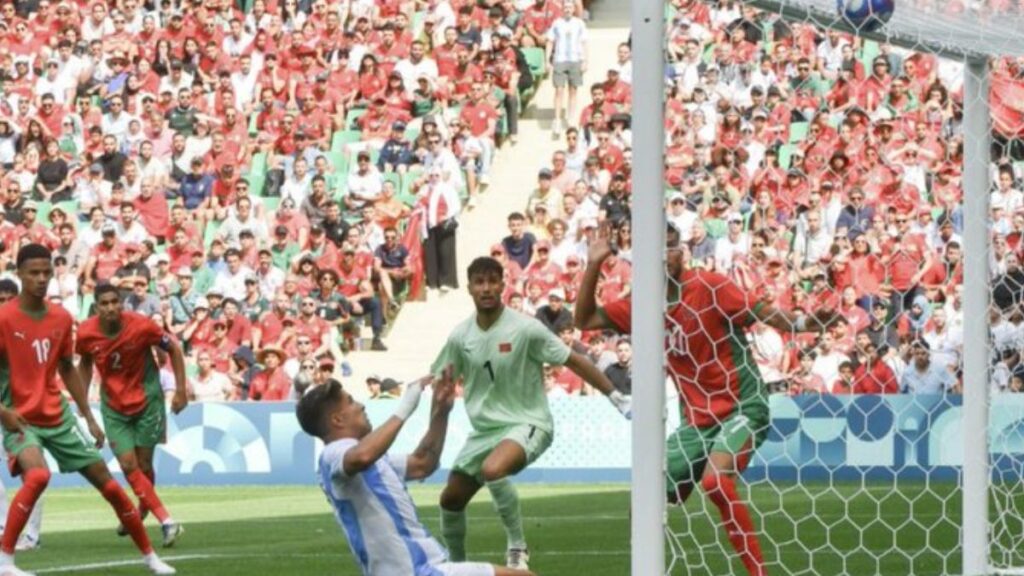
(688, 448)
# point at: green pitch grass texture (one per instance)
(572, 529)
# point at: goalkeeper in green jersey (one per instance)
(500, 355)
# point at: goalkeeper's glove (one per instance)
(410, 400)
(622, 403)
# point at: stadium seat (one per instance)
(406, 193)
(535, 59)
(352, 116)
(43, 214)
(83, 308)
(271, 203)
(395, 178)
(211, 232)
(798, 131)
(343, 137)
(785, 153)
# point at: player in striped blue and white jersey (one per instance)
(366, 486)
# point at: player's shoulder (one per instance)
(89, 327)
(57, 314)
(134, 320)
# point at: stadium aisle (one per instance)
(421, 328)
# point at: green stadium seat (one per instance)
(352, 116)
(798, 131)
(396, 179)
(43, 214)
(343, 137)
(535, 59)
(785, 153)
(211, 232)
(86, 304)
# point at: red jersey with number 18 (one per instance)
(129, 374)
(31, 345)
(708, 354)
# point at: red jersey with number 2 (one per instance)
(708, 355)
(124, 360)
(31, 345)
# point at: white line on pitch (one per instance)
(117, 563)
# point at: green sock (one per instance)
(453, 528)
(506, 502)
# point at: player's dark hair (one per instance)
(32, 252)
(313, 408)
(104, 288)
(485, 265)
(8, 286)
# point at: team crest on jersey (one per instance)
(505, 347)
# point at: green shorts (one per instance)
(66, 442)
(479, 446)
(688, 447)
(144, 429)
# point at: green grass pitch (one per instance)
(572, 529)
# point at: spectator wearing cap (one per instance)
(391, 261)
(107, 257)
(32, 231)
(396, 154)
(133, 269)
(271, 384)
(183, 300)
(554, 314)
(140, 300)
(615, 204)
(546, 193)
(244, 370)
(541, 270)
(354, 285)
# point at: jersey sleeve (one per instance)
(450, 354)
(619, 314)
(546, 346)
(400, 462)
(334, 456)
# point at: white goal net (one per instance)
(813, 166)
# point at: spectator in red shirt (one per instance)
(874, 376)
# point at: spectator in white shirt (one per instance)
(364, 184)
(210, 385)
(925, 376)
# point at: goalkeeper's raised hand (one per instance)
(622, 403)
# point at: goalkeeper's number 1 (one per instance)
(490, 370)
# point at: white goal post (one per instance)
(967, 41)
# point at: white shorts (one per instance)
(466, 569)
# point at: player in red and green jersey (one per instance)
(36, 345)
(724, 400)
(121, 346)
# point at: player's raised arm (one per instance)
(425, 459)
(587, 315)
(377, 443)
(73, 382)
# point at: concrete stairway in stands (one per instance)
(421, 328)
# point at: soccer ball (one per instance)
(866, 15)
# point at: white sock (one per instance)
(167, 522)
(6, 559)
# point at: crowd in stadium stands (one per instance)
(270, 178)
(814, 169)
(267, 179)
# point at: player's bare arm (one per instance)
(11, 420)
(73, 382)
(425, 459)
(180, 400)
(789, 322)
(377, 443)
(85, 368)
(586, 369)
(588, 315)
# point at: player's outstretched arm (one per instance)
(587, 315)
(586, 369)
(786, 321)
(425, 459)
(73, 382)
(377, 443)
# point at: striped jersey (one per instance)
(378, 516)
